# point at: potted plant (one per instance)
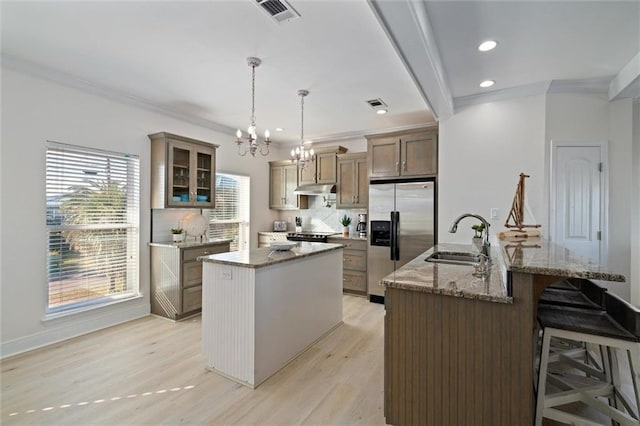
(345, 221)
(477, 229)
(177, 234)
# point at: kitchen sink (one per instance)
(455, 258)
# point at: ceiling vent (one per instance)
(377, 103)
(279, 10)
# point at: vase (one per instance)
(177, 238)
(345, 231)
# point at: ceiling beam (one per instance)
(409, 30)
(626, 84)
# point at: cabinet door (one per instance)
(419, 155)
(326, 168)
(345, 197)
(191, 274)
(179, 172)
(307, 176)
(354, 280)
(203, 181)
(276, 187)
(384, 158)
(290, 184)
(362, 184)
(191, 299)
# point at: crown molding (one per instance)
(586, 85)
(361, 134)
(501, 94)
(408, 28)
(26, 67)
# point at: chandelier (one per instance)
(252, 137)
(301, 155)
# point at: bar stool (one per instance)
(575, 293)
(616, 327)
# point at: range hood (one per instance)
(316, 189)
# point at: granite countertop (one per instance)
(350, 237)
(539, 256)
(452, 280)
(191, 244)
(533, 256)
(261, 257)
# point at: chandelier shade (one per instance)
(301, 155)
(252, 137)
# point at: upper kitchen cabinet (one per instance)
(283, 181)
(183, 172)
(353, 181)
(323, 169)
(403, 154)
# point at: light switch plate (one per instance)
(493, 214)
(227, 275)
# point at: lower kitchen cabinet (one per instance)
(266, 238)
(176, 277)
(354, 264)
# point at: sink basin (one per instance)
(454, 258)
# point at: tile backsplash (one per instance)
(318, 217)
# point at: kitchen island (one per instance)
(262, 308)
(459, 349)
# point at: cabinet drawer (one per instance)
(193, 253)
(191, 274)
(191, 299)
(354, 280)
(354, 259)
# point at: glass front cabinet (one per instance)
(183, 172)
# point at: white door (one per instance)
(578, 190)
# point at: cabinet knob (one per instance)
(404, 166)
(398, 166)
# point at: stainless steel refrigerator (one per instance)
(402, 225)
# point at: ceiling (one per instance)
(189, 58)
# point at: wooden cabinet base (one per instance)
(457, 361)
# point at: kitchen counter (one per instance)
(191, 244)
(262, 308)
(534, 256)
(261, 257)
(440, 334)
(350, 237)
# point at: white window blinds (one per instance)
(230, 218)
(92, 226)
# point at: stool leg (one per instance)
(542, 377)
(634, 366)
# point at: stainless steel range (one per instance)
(317, 237)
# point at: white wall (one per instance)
(34, 111)
(635, 209)
(482, 151)
(591, 117)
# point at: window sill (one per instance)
(55, 317)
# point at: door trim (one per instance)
(604, 189)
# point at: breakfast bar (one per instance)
(262, 308)
(459, 348)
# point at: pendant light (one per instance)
(302, 156)
(252, 138)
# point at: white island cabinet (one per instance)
(262, 308)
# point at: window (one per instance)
(92, 226)
(230, 218)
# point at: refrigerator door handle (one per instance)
(395, 247)
(392, 237)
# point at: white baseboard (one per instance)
(84, 323)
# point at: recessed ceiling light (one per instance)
(487, 83)
(485, 46)
(382, 111)
(279, 129)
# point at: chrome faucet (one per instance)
(485, 242)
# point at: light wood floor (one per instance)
(150, 371)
